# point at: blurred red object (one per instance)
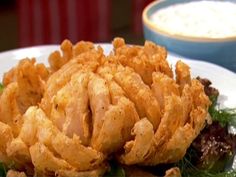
(51, 21)
(137, 9)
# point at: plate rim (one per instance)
(45, 47)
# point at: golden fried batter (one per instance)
(144, 60)
(182, 74)
(141, 94)
(71, 118)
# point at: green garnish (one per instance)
(213, 150)
(3, 170)
(189, 170)
(223, 116)
(1, 87)
(115, 171)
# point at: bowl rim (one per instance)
(152, 26)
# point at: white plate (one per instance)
(222, 79)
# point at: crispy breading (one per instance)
(44, 160)
(18, 151)
(163, 86)
(30, 85)
(55, 59)
(70, 109)
(97, 172)
(78, 115)
(9, 76)
(187, 100)
(142, 96)
(12, 74)
(137, 150)
(37, 128)
(107, 72)
(118, 121)
(144, 60)
(183, 76)
(12, 173)
(56, 81)
(170, 121)
(79, 156)
(25, 90)
(81, 47)
(86, 61)
(9, 110)
(99, 98)
(199, 96)
(6, 136)
(71, 118)
(173, 172)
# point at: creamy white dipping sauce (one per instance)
(208, 19)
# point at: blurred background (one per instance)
(37, 22)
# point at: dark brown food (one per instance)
(209, 90)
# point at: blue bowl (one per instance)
(221, 51)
